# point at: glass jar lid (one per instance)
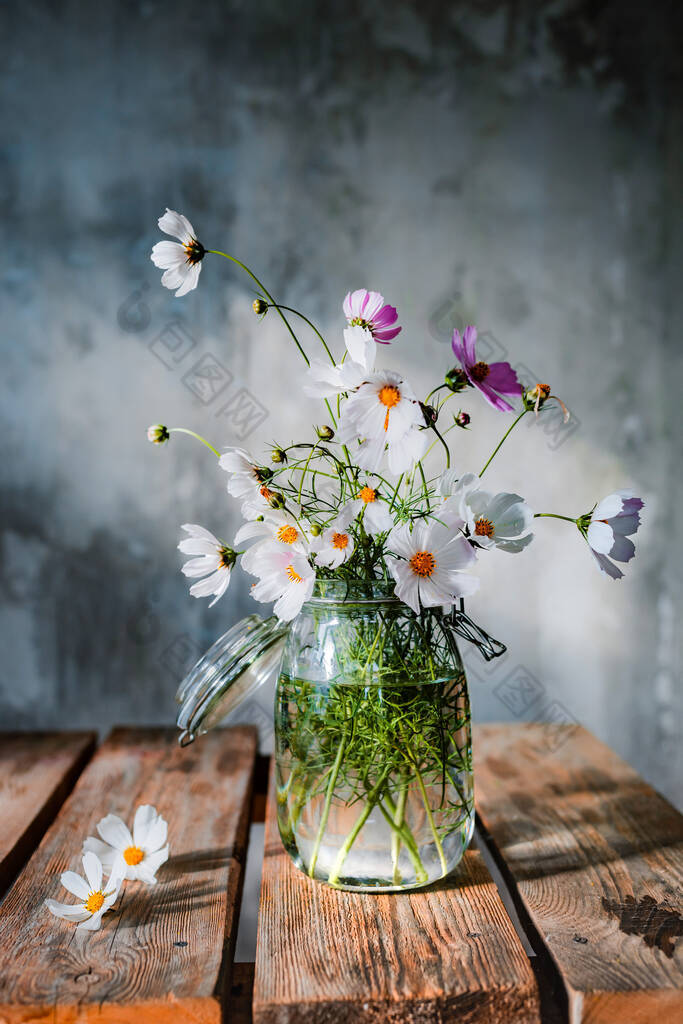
(232, 669)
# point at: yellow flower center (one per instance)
(389, 396)
(358, 321)
(194, 251)
(368, 495)
(480, 372)
(340, 540)
(287, 534)
(484, 528)
(423, 563)
(293, 574)
(133, 855)
(94, 902)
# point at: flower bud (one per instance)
(315, 530)
(259, 306)
(278, 455)
(534, 398)
(430, 414)
(276, 499)
(158, 433)
(456, 379)
(462, 419)
(325, 433)
(263, 473)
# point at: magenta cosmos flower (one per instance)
(492, 379)
(369, 310)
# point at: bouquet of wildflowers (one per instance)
(354, 501)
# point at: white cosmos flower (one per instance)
(376, 518)
(141, 853)
(286, 577)
(277, 527)
(325, 380)
(94, 898)
(613, 519)
(430, 569)
(335, 544)
(384, 414)
(214, 561)
(493, 520)
(182, 260)
(247, 481)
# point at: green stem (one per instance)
(372, 799)
(326, 807)
(395, 838)
(403, 834)
(425, 800)
(198, 437)
(310, 324)
(554, 515)
(252, 275)
(502, 440)
(443, 442)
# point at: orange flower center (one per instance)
(368, 495)
(287, 534)
(480, 372)
(225, 561)
(389, 396)
(133, 855)
(340, 540)
(484, 528)
(94, 902)
(423, 563)
(194, 251)
(293, 574)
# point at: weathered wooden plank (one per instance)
(166, 954)
(596, 856)
(37, 772)
(327, 956)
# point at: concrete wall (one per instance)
(509, 164)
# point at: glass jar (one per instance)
(373, 747)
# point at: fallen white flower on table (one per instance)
(94, 900)
(141, 853)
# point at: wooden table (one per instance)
(568, 908)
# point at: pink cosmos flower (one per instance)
(493, 380)
(368, 309)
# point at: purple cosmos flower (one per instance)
(368, 309)
(607, 530)
(492, 379)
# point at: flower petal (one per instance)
(115, 832)
(69, 911)
(75, 884)
(92, 865)
(106, 853)
(600, 537)
(172, 223)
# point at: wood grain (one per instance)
(165, 954)
(449, 953)
(37, 772)
(597, 859)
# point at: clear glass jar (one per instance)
(373, 747)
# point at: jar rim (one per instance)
(367, 591)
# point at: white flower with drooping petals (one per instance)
(247, 481)
(493, 520)
(325, 380)
(607, 533)
(95, 899)
(376, 515)
(142, 853)
(433, 558)
(383, 414)
(214, 561)
(286, 577)
(277, 527)
(335, 544)
(181, 260)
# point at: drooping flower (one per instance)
(324, 380)
(492, 520)
(94, 899)
(492, 379)
(277, 527)
(608, 528)
(383, 414)
(430, 569)
(247, 481)
(182, 260)
(286, 577)
(215, 561)
(335, 545)
(142, 853)
(368, 309)
(158, 433)
(376, 515)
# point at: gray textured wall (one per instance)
(511, 164)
